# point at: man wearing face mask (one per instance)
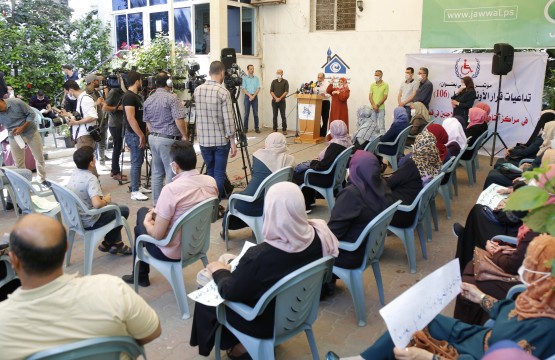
(69, 103)
(378, 95)
(206, 38)
(279, 89)
(87, 108)
(92, 89)
(425, 88)
(215, 124)
(407, 90)
(187, 189)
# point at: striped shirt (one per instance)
(160, 110)
(214, 114)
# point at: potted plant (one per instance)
(65, 131)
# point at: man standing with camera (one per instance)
(165, 117)
(135, 130)
(215, 124)
(92, 89)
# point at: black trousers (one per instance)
(325, 117)
(281, 106)
(117, 138)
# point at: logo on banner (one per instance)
(549, 11)
(334, 64)
(467, 67)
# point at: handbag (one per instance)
(486, 270)
(423, 340)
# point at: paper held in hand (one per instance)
(208, 294)
(416, 307)
(490, 198)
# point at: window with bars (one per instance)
(333, 15)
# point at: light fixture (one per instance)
(360, 5)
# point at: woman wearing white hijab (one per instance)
(291, 241)
(265, 161)
(457, 137)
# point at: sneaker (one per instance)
(458, 229)
(145, 190)
(257, 131)
(139, 196)
(46, 184)
(130, 280)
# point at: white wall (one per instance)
(386, 31)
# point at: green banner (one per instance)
(482, 23)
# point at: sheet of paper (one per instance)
(416, 307)
(235, 261)
(44, 203)
(490, 198)
(3, 135)
(207, 295)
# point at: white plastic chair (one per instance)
(42, 120)
(421, 203)
(105, 348)
(373, 237)
(339, 169)
(254, 222)
(26, 196)
(399, 141)
(194, 225)
(297, 297)
(470, 164)
(372, 145)
(72, 208)
(10, 273)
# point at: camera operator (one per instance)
(114, 107)
(92, 89)
(135, 129)
(86, 106)
(164, 115)
(69, 103)
(215, 124)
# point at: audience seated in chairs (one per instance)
(187, 189)
(400, 123)
(52, 308)
(291, 241)
(442, 138)
(340, 140)
(528, 321)
(419, 120)
(477, 125)
(41, 102)
(355, 206)
(457, 137)
(414, 172)
(367, 129)
(264, 162)
(87, 187)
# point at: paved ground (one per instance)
(335, 327)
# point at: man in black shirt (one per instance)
(114, 107)
(425, 90)
(135, 130)
(279, 89)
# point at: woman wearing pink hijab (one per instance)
(291, 241)
(477, 125)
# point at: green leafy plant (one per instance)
(64, 130)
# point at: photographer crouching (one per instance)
(86, 108)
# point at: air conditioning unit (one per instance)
(267, 2)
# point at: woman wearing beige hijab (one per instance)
(291, 241)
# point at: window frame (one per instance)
(313, 11)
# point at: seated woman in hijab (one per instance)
(367, 128)
(420, 117)
(264, 162)
(400, 123)
(414, 173)
(528, 321)
(457, 137)
(340, 140)
(477, 125)
(291, 241)
(441, 140)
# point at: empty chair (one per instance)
(338, 169)
(105, 348)
(29, 197)
(194, 228)
(421, 203)
(470, 165)
(48, 126)
(400, 145)
(254, 222)
(72, 208)
(372, 237)
(296, 297)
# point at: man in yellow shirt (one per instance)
(378, 95)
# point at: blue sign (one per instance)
(335, 65)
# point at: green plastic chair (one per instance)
(195, 241)
(373, 237)
(104, 348)
(296, 296)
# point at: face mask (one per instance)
(278, 76)
(377, 78)
(11, 92)
(521, 271)
(420, 77)
(407, 76)
(205, 30)
(173, 169)
(71, 97)
(412, 112)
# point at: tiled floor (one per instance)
(335, 327)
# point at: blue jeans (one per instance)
(160, 148)
(380, 118)
(137, 158)
(215, 158)
(114, 236)
(248, 105)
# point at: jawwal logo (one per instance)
(549, 11)
(468, 67)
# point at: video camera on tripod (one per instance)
(195, 79)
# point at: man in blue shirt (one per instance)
(251, 87)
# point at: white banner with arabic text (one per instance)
(521, 90)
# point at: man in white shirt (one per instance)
(321, 87)
(407, 90)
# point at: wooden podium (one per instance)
(309, 114)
